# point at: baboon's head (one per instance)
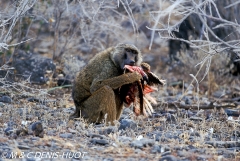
(126, 54)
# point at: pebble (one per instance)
(195, 118)
(168, 158)
(166, 153)
(166, 136)
(124, 139)
(156, 149)
(219, 94)
(51, 133)
(36, 129)
(24, 147)
(127, 123)
(137, 144)
(142, 143)
(99, 141)
(66, 135)
(5, 99)
(187, 100)
(107, 130)
(8, 130)
(231, 112)
(2, 104)
(171, 118)
(96, 136)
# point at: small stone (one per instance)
(24, 147)
(127, 123)
(231, 112)
(2, 104)
(51, 133)
(171, 118)
(219, 94)
(156, 149)
(96, 136)
(99, 141)
(168, 158)
(142, 143)
(166, 153)
(137, 144)
(36, 129)
(107, 130)
(181, 153)
(5, 99)
(124, 139)
(195, 118)
(66, 135)
(32, 99)
(147, 142)
(9, 130)
(187, 100)
(63, 82)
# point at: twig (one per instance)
(59, 87)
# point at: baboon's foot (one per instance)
(76, 114)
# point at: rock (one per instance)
(187, 100)
(33, 66)
(63, 82)
(137, 144)
(231, 112)
(181, 153)
(156, 149)
(107, 130)
(127, 123)
(36, 129)
(66, 135)
(168, 158)
(124, 139)
(24, 147)
(219, 94)
(96, 136)
(195, 118)
(99, 141)
(51, 133)
(2, 104)
(147, 142)
(224, 144)
(9, 131)
(7, 74)
(171, 118)
(142, 143)
(166, 136)
(166, 153)
(5, 99)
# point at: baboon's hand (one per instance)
(116, 82)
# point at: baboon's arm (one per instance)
(115, 82)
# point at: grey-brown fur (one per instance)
(95, 90)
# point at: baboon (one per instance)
(96, 87)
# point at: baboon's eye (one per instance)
(127, 50)
(134, 52)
